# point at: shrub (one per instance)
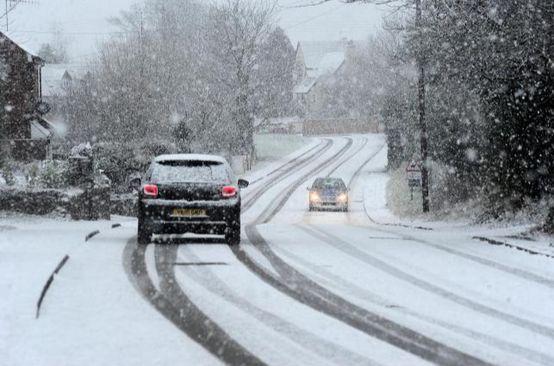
(116, 160)
(7, 173)
(53, 174)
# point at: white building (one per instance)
(317, 63)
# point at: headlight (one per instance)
(343, 197)
(314, 196)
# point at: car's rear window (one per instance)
(189, 171)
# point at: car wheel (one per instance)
(232, 234)
(144, 236)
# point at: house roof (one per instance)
(19, 41)
(315, 51)
(54, 75)
(42, 129)
(305, 85)
(330, 62)
(320, 58)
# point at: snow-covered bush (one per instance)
(37, 174)
(53, 174)
(448, 196)
(34, 201)
(149, 149)
(116, 160)
(124, 204)
(6, 174)
(82, 150)
(548, 226)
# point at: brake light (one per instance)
(229, 191)
(150, 190)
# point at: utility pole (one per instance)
(423, 139)
(7, 18)
(11, 5)
(421, 115)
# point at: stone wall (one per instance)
(124, 204)
(33, 201)
(339, 126)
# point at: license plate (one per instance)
(188, 212)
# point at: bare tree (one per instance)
(239, 27)
(180, 65)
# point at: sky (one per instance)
(84, 22)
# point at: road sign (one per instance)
(414, 166)
(413, 173)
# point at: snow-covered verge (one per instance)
(407, 206)
(387, 201)
(91, 315)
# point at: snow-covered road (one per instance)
(304, 288)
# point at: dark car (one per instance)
(190, 193)
(328, 193)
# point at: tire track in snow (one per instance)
(301, 288)
(487, 262)
(297, 164)
(323, 276)
(177, 308)
(281, 199)
(309, 341)
(172, 302)
(518, 272)
(366, 140)
(308, 292)
(375, 262)
(292, 161)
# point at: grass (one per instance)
(274, 146)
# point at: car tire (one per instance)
(144, 236)
(232, 234)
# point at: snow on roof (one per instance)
(39, 132)
(54, 75)
(320, 58)
(305, 85)
(330, 62)
(193, 157)
(314, 51)
(20, 41)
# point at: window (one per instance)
(189, 171)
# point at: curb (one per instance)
(49, 283)
(59, 267)
(513, 246)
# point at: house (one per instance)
(25, 133)
(282, 125)
(56, 79)
(317, 64)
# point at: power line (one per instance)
(75, 33)
(312, 18)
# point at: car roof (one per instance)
(191, 157)
(329, 179)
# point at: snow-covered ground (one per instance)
(313, 288)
